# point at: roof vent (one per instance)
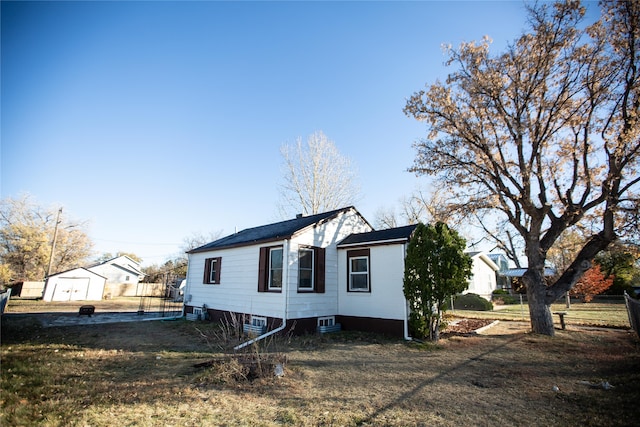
(299, 216)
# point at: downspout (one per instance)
(285, 289)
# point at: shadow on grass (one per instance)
(399, 401)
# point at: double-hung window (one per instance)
(212, 271)
(270, 269)
(305, 269)
(359, 274)
(310, 269)
(275, 268)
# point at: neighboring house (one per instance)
(483, 279)
(121, 272)
(115, 277)
(78, 284)
(514, 275)
(308, 272)
(502, 281)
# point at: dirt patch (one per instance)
(465, 326)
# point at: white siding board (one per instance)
(238, 288)
(327, 235)
(386, 299)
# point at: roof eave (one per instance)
(373, 243)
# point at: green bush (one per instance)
(502, 297)
(472, 302)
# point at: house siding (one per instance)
(120, 270)
(327, 235)
(386, 298)
(483, 281)
(238, 288)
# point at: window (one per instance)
(358, 271)
(305, 269)
(258, 321)
(311, 269)
(327, 321)
(270, 269)
(212, 270)
(275, 268)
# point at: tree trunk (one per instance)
(434, 327)
(540, 313)
(539, 310)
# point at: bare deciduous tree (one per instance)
(197, 239)
(545, 134)
(428, 207)
(26, 234)
(317, 178)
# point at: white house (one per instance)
(483, 281)
(278, 273)
(120, 270)
(78, 284)
(311, 271)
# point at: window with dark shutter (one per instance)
(262, 270)
(311, 269)
(306, 276)
(212, 267)
(270, 269)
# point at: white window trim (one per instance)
(270, 287)
(351, 272)
(212, 271)
(313, 279)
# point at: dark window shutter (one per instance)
(218, 268)
(319, 269)
(207, 270)
(262, 270)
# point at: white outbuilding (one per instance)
(78, 284)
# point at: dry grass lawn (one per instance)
(119, 304)
(143, 374)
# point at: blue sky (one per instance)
(156, 120)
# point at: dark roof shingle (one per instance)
(270, 232)
(390, 234)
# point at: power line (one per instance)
(137, 243)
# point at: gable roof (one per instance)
(129, 264)
(76, 268)
(484, 257)
(272, 232)
(390, 235)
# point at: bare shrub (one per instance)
(261, 359)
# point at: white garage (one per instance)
(78, 284)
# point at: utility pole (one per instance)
(53, 244)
